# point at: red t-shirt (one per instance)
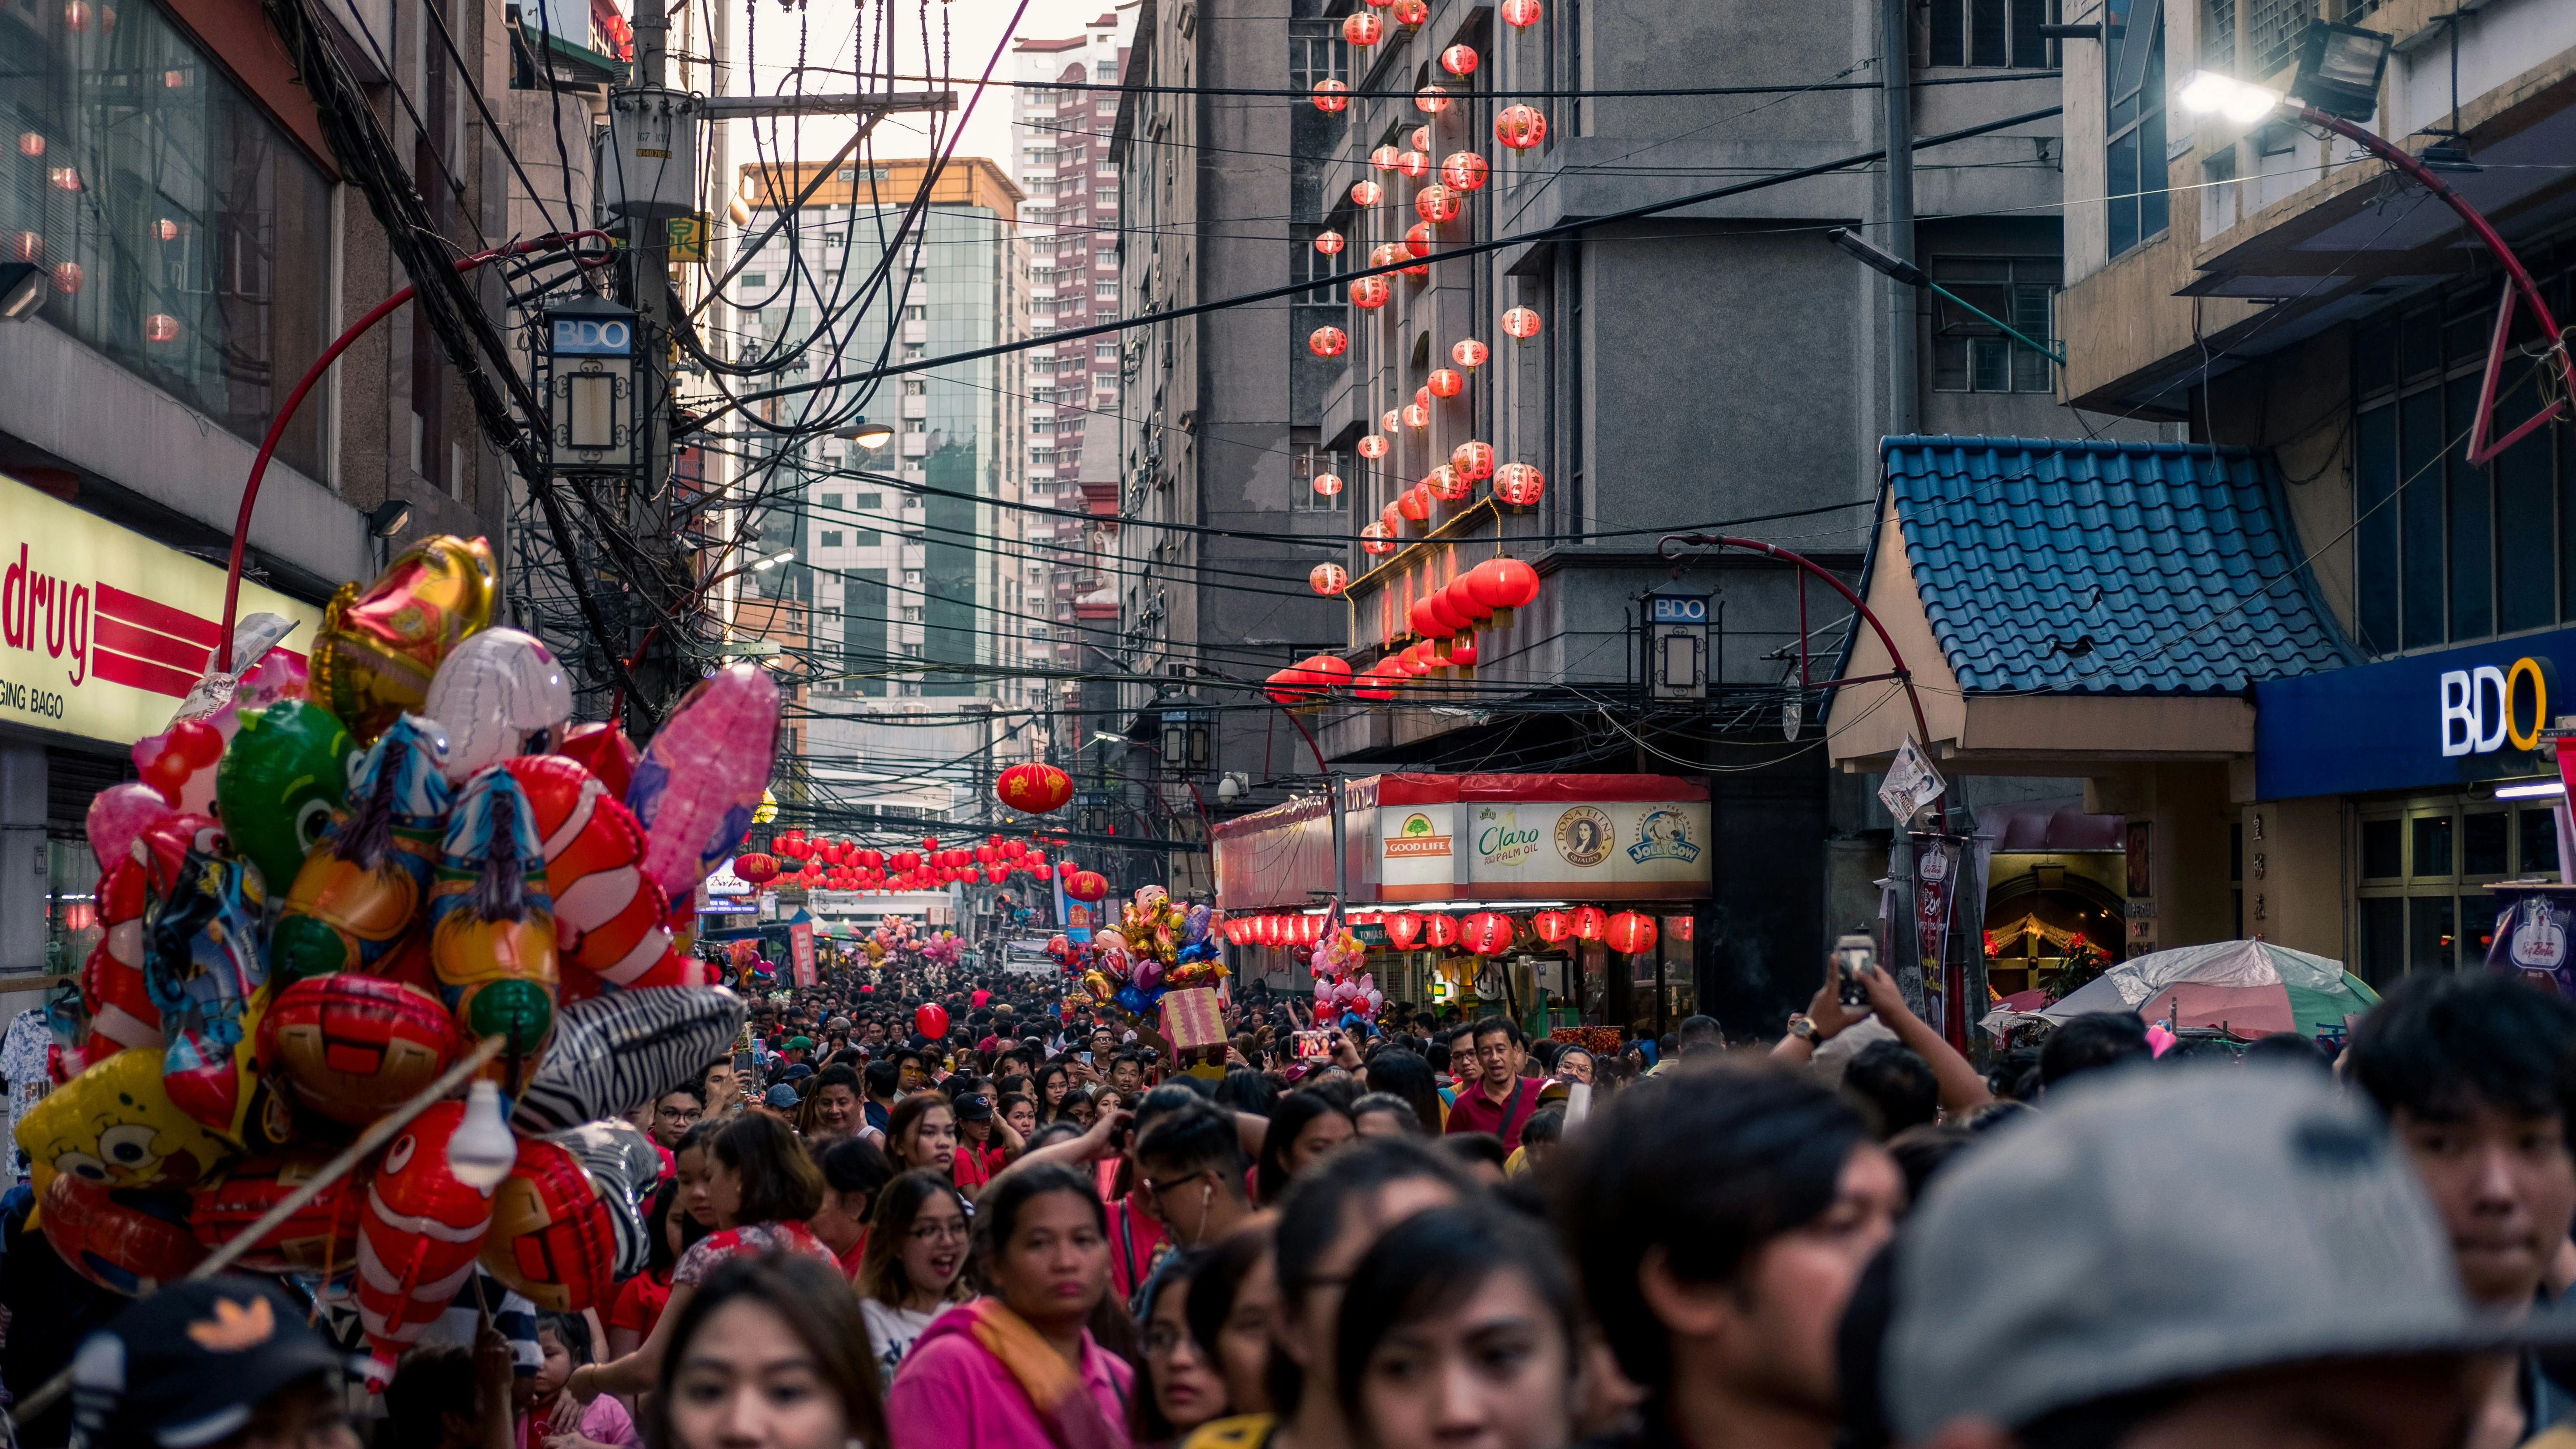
(850, 1259)
(640, 1301)
(971, 1169)
(1133, 1237)
(1476, 1112)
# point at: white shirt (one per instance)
(891, 1331)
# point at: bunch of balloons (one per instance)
(1157, 946)
(335, 881)
(1340, 985)
(828, 863)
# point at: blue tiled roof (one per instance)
(2174, 559)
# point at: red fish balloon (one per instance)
(608, 914)
(420, 1234)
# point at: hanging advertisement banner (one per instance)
(800, 951)
(1936, 887)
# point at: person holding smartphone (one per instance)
(1826, 1017)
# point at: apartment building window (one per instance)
(2444, 552)
(2134, 63)
(2273, 30)
(831, 538)
(1316, 51)
(1991, 33)
(1970, 354)
(1302, 475)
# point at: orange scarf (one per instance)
(1055, 1388)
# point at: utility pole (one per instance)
(1896, 82)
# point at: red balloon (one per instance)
(931, 1020)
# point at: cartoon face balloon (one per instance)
(118, 814)
(282, 783)
(492, 931)
(319, 1238)
(420, 1233)
(125, 1241)
(353, 1047)
(553, 1235)
(114, 1125)
(379, 648)
(201, 963)
(496, 693)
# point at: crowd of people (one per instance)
(1045, 1227)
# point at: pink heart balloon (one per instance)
(118, 814)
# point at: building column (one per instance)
(23, 864)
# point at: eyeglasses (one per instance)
(934, 1232)
(679, 1114)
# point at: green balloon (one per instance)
(282, 783)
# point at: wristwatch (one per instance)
(1803, 1027)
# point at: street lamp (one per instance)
(868, 435)
(2337, 86)
(775, 559)
(1905, 274)
(22, 290)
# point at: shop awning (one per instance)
(1417, 838)
(2079, 600)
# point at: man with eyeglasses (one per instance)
(1492, 1094)
(1190, 1163)
(674, 1113)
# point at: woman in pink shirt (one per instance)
(1018, 1369)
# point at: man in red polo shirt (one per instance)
(1500, 1100)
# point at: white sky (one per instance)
(974, 29)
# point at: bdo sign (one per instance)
(593, 336)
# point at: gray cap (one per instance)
(2163, 1225)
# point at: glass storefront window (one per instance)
(182, 233)
(2483, 838)
(2425, 865)
(2432, 846)
(2383, 849)
(2539, 829)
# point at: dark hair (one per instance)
(1050, 1069)
(1246, 1090)
(1489, 1025)
(428, 1384)
(2014, 1077)
(2441, 1045)
(1700, 1026)
(1920, 1151)
(694, 1091)
(1190, 1141)
(1002, 1108)
(881, 1273)
(1430, 1263)
(1221, 1272)
(1062, 1129)
(573, 1332)
(1145, 1421)
(881, 1079)
(779, 1181)
(2094, 1040)
(836, 1076)
(1467, 1149)
(1408, 1075)
(1392, 1105)
(1288, 1118)
(1702, 1164)
(854, 1164)
(1311, 1215)
(660, 1257)
(1893, 1086)
(818, 1307)
(2292, 1049)
(997, 1208)
(1546, 1125)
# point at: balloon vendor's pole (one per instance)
(378, 1133)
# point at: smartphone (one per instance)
(1313, 1046)
(1855, 956)
(742, 1060)
(1086, 1059)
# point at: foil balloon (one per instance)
(608, 915)
(358, 892)
(179, 763)
(605, 751)
(123, 1240)
(282, 784)
(627, 1168)
(379, 648)
(1197, 928)
(121, 1011)
(201, 963)
(616, 1052)
(114, 1125)
(701, 777)
(419, 1235)
(554, 1234)
(495, 694)
(1132, 1000)
(353, 1047)
(320, 1238)
(492, 932)
(118, 814)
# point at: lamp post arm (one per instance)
(1895, 660)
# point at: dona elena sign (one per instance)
(103, 631)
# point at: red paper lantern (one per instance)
(1384, 158)
(1520, 127)
(930, 842)
(1519, 484)
(1459, 60)
(1328, 579)
(1515, 583)
(1521, 324)
(1446, 382)
(997, 873)
(1330, 243)
(1487, 932)
(1066, 870)
(1445, 484)
(1631, 932)
(1328, 342)
(1367, 193)
(1439, 930)
(1590, 922)
(1373, 683)
(1445, 618)
(1473, 460)
(1403, 929)
(1436, 203)
(1331, 96)
(1371, 292)
(1414, 503)
(755, 869)
(1363, 30)
(1412, 13)
(1464, 171)
(1087, 885)
(1332, 670)
(1417, 416)
(1374, 538)
(1328, 484)
(1418, 240)
(1462, 651)
(1680, 927)
(1412, 165)
(1469, 353)
(1372, 446)
(1431, 100)
(1521, 14)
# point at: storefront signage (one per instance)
(2424, 721)
(1537, 849)
(103, 631)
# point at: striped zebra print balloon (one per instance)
(621, 1050)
